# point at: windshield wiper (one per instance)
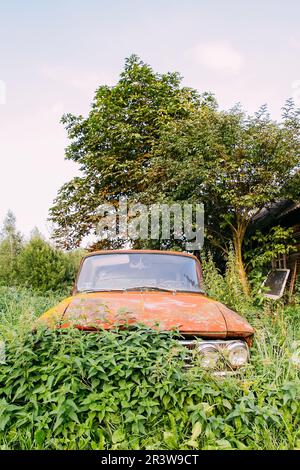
(163, 289)
(153, 288)
(88, 291)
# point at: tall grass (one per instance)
(130, 389)
(19, 307)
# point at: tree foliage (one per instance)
(114, 145)
(152, 140)
(234, 163)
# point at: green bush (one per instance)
(66, 389)
(44, 268)
(227, 288)
(35, 264)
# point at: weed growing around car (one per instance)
(68, 389)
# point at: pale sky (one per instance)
(54, 54)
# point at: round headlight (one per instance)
(237, 354)
(209, 356)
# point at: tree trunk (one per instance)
(238, 238)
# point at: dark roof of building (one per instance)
(273, 214)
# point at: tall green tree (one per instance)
(152, 140)
(234, 163)
(10, 247)
(114, 145)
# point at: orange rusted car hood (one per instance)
(190, 313)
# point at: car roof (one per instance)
(159, 252)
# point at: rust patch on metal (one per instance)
(193, 314)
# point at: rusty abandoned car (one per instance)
(159, 289)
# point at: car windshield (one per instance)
(122, 271)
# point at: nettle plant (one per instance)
(262, 248)
(130, 389)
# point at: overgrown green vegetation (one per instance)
(35, 264)
(129, 389)
(152, 140)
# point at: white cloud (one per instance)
(217, 55)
